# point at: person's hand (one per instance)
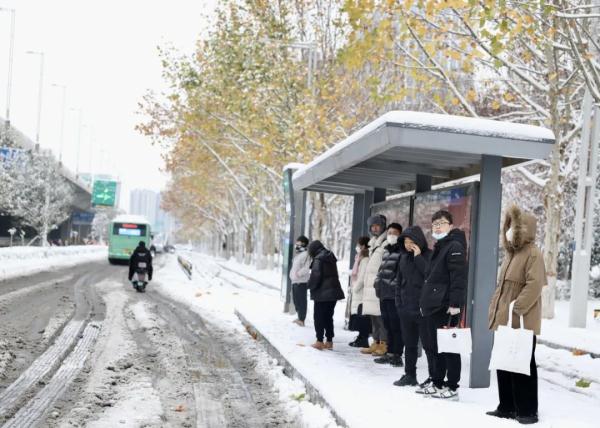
(453, 311)
(416, 250)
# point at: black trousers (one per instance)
(299, 295)
(445, 365)
(391, 321)
(413, 328)
(518, 392)
(323, 316)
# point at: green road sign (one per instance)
(104, 193)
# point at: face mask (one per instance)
(358, 249)
(438, 236)
(392, 239)
(509, 235)
(300, 248)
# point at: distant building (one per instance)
(147, 203)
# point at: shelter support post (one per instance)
(296, 212)
(484, 268)
(423, 183)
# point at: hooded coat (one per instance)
(445, 282)
(324, 282)
(385, 283)
(140, 255)
(411, 272)
(370, 300)
(521, 277)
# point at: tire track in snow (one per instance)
(34, 410)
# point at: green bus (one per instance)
(124, 234)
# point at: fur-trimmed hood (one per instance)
(524, 226)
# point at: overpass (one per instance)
(82, 191)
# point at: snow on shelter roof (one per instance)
(131, 218)
(390, 151)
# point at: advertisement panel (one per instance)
(104, 193)
(395, 210)
(458, 201)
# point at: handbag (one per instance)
(512, 348)
(454, 340)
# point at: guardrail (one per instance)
(186, 266)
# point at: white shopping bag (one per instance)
(512, 347)
(454, 340)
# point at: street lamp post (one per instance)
(10, 62)
(62, 121)
(79, 125)
(40, 95)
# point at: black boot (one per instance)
(361, 342)
(527, 420)
(501, 414)
(386, 359)
(396, 361)
(407, 380)
(354, 342)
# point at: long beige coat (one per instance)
(359, 285)
(521, 276)
(370, 300)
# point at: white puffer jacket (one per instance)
(370, 300)
(359, 285)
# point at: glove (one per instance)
(453, 311)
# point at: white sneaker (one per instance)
(427, 390)
(446, 394)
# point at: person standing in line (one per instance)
(413, 264)
(520, 280)
(442, 298)
(299, 274)
(325, 291)
(385, 289)
(358, 321)
(377, 230)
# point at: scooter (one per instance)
(139, 281)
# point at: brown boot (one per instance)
(318, 345)
(329, 346)
(381, 349)
(370, 349)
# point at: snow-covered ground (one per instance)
(215, 293)
(557, 330)
(360, 391)
(21, 261)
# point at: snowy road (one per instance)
(79, 347)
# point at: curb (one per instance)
(264, 284)
(290, 371)
(566, 348)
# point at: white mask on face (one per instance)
(392, 239)
(438, 236)
(358, 248)
(509, 235)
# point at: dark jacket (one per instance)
(324, 282)
(446, 276)
(385, 283)
(140, 254)
(411, 272)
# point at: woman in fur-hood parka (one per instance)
(521, 276)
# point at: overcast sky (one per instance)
(105, 53)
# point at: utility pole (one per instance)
(584, 210)
(11, 50)
(62, 121)
(40, 97)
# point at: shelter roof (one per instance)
(390, 151)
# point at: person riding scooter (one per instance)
(140, 263)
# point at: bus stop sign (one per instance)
(104, 193)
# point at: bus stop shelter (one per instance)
(402, 151)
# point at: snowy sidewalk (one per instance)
(359, 391)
